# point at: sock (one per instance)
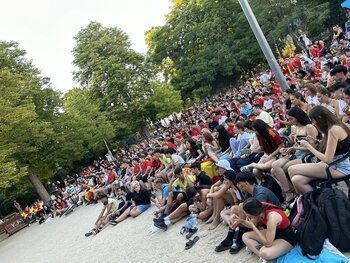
(228, 241)
(241, 231)
(167, 220)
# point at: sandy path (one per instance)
(63, 240)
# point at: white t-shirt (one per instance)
(342, 105)
(268, 104)
(313, 100)
(176, 159)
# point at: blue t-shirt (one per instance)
(165, 190)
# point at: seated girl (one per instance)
(270, 142)
(209, 145)
(273, 241)
(141, 201)
(223, 138)
(293, 155)
(335, 143)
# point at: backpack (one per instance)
(326, 214)
(335, 207)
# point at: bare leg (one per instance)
(278, 172)
(123, 215)
(220, 202)
(225, 215)
(180, 210)
(303, 174)
(135, 212)
(262, 166)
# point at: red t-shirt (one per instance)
(145, 165)
(315, 52)
(196, 131)
(111, 177)
(137, 169)
(260, 102)
(156, 164)
(285, 221)
(230, 129)
(171, 145)
(276, 138)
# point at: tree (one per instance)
(198, 46)
(116, 74)
(89, 124)
(163, 101)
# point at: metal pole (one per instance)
(263, 44)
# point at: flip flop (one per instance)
(190, 243)
(88, 234)
(191, 233)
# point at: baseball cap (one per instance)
(224, 164)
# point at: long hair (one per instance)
(264, 135)
(224, 137)
(208, 138)
(192, 143)
(324, 120)
(254, 207)
(299, 96)
(300, 115)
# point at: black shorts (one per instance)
(176, 193)
(287, 234)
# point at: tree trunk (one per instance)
(39, 187)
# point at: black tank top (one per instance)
(343, 146)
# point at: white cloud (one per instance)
(45, 28)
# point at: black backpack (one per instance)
(326, 215)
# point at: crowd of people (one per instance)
(217, 159)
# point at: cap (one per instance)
(224, 164)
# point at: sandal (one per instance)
(287, 202)
(190, 243)
(191, 232)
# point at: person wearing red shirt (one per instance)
(258, 99)
(136, 167)
(270, 142)
(111, 176)
(278, 238)
(230, 126)
(196, 131)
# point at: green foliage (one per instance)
(116, 74)
(163, 101)
(39, 132)
(199, 46)
(206, 45)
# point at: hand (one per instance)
(248, 223)
(304, 143)
(311, 139)
(233, 220)
(210, 195)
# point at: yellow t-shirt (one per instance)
(264, 116)
(183, 185)
(164, 160)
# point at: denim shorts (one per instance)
(143, 208)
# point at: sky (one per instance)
(45, 28)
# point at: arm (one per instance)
(101, 214)
(170, 186)
(218, 183)
(189, 181)
(219, 193)
(273, 220)
(333, 138)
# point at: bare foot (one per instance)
(213, 225)
(210, 220)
